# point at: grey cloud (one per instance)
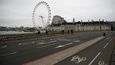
(18, 10)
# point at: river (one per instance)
(13, 32)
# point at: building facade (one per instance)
(59, 24)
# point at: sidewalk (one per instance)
(59, 56)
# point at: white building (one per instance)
(59, 24)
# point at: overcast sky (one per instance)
(19, 12)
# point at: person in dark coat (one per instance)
(46, 32)
(103, 34)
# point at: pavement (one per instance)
(24, 51)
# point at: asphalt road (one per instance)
(97, 54)
(23, 51)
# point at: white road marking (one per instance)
(94, 58)
(33, 42)
(47, 42)
(23, 44)
(51, 42)
(78, 59)
(26, 43)
(59, 46)
(107, 44)
(77, 41)
(51, 39)
(41, 43)
(57, 57)
(62, 39)
(19, 43)
(47, 45)
(101, 63)
(4, 46)
(9, 54)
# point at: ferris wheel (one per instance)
(41, 15)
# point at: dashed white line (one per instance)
(47, 45)
(107, 44)
(33, 42)
(59, 46)
(63, 39)
(19, 43)
(52, 41)
(9, 54)
(47, 42)
(94, 58)
(41, 43)
(77, 41)
(4, 46)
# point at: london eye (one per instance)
(41, 15)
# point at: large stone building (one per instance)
(57, 20)
(59, 24)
